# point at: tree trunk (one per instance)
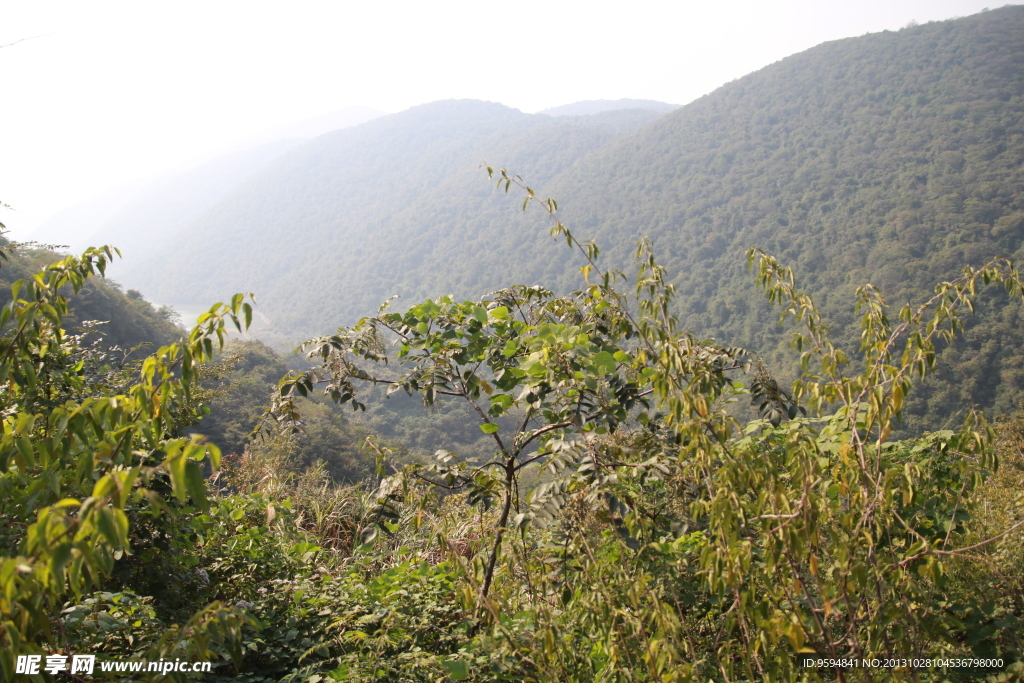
(506, 506)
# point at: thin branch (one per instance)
(483, 416)
(544, 430)
(451, 487)
(962, 551)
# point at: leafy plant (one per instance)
(817, 534)
(71, 473)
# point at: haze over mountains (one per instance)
(140, 218)
(892, 158)
(588, 107)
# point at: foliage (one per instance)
(72, 473)
(622, 525)
(533, 366)
(810, 535)
(239, 392)
(891, 158)
(108, 316)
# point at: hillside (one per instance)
(127, 318)
(328, 231)
(892, 158)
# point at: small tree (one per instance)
(69, 470)
(815, 534)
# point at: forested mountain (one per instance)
(344, 221)
(560, 487)
(892, 158)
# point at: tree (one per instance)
(544, 374)
(808, 532)
(72, 469)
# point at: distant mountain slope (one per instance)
(892, 158)
(344, 221)
(587, 107)
(140, 219)
(147, 218)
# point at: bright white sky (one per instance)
(115, 92)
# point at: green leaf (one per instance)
(196, 485)
(106, 526)
(456, 668)
(604, 363)
(179, 480)
(367, 537)
(489, 428)
(60, 557)
(501, 402)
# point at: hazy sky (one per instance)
(115, 92)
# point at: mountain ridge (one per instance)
(893, 158)
(332, 173)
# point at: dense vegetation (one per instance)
(892, 158)
(239, 386)
(563, 484)
(662, 542)
(102, 311)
